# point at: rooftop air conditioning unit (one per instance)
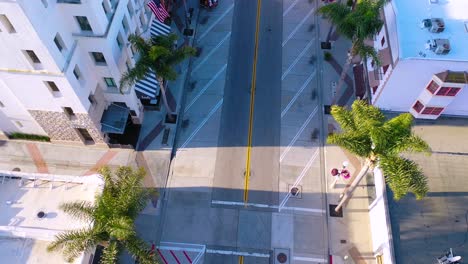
(434, 25)
(439, 46)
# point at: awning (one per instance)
(114, 119)
(148, 88)
(159, 29)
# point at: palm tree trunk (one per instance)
(164, 97)
(344, 72)
(347, 193)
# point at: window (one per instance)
(7, 24)
(110, 82)
(59, 42)
(44, 2)
(83, 23)
(128, 64)
(98, 58)
(125, 24)
(418, 106)
(105, 8)
(32, 56)
(432, 110)
(130, 8)
(77, 72)
(432, 87)
(119, 41)
(382, 42)
(52, 86)
(69, 112)
(92, 99)
(448, 91)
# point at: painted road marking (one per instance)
(290, 7)
(298, 26)
(319, 260)
(174, 256)
(299, 179)
(187, 257)
(297, 59)
(205, 88)
(213, 110)
(267, 206)
(288, 148)
(211, 53)
(286, 109)
(162, 256)
(237, 253)
(252, 103)
(215, 23)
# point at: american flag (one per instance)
(158, 10)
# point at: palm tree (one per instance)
(356, 24)
(380, 142)
(157, 55)
(111, 219)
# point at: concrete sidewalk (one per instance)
(350, 239)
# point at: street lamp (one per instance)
(337, 173)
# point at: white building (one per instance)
(30, 216)
(60, 65)
(424, 58)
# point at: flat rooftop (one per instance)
(423, 229)
(23, 234)
(413, 38)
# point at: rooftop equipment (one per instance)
(439, 46)
(434, 25)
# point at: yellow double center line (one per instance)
(252, 102)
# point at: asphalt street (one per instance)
(206, 203)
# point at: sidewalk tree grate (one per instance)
(188, 32)
(327, 109)
(171, 120)
(332, 211)
(325, 45)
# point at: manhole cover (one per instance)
(294, 191)
(282, 258)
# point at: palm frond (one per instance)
(366, 115)
(358, 144)
(344, 118)
(74, 242)
(110, 253)
(402, 176)
(82, 210)
(140, 250)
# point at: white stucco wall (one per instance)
(36, 27)
(382, 243)
(408, 80)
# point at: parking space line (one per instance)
(288, 148)
(215, 23)
(304, 85)
(213, 50)
(205, 88)
(213, 110)
(298, 26)
(297, 58)
(290, 7)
